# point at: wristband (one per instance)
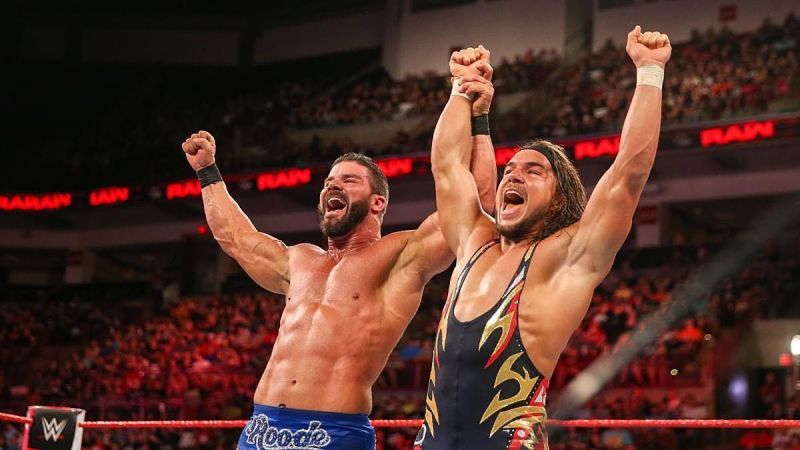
(456, 92)
(209, 175)
(650, 75)
(480, 125)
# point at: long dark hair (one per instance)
(569, 200)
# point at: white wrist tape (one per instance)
(650, 75)
(456, 92)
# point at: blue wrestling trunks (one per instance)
(297, 429)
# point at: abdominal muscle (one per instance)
(326, 357)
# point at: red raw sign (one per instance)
(745, 132)
(283, 178)
(502, 155)
(396, 167)
(35, 202)
(596, 148)
(109, 196)
(183, 189)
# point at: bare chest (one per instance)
(333, 300)
(484, 283)
(524, 270)
(350, 281)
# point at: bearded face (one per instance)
(524, 194)
(344, 201)
(338, 216)
(516, 230)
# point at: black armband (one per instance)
(209, 175)
(480, 125)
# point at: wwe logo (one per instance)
(53, 429)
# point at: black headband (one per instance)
(548, 153)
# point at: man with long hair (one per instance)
(524, 279)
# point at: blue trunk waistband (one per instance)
(285, 428)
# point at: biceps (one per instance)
(603, 227)
(426, 252)
(604, 239)
(434, 253)
(265, 259)
(458, 205)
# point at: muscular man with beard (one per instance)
(346, 306)
(524, 280)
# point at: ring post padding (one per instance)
(54, 428)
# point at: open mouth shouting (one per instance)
(513, 203)
(335, 206)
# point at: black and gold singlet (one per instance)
(484, 392)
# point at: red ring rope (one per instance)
(414, 423)
(675, 423)
(122, 424)
(15, 418)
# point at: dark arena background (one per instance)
(116, 299)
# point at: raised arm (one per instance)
(427, 251)
(607, 219)
(483, 164)
(263, 257)
(458, 200)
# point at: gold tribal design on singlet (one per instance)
(483, 382)
(513, 412)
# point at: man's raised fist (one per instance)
(200, 148)
(472, 66)
(651, 47)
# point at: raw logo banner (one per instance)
(54, 428)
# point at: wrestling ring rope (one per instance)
(416, 423)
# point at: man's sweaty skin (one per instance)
(569, 264)
(347, 306)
